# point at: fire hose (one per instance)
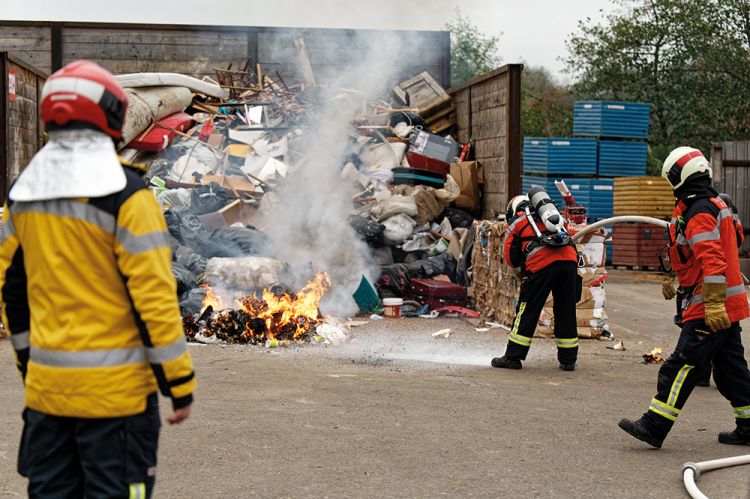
(691, 472)
(625, 219)
(617, 220)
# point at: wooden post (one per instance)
(56, 45)
(513, 135)
(4, 126)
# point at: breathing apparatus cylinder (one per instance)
(545, 209)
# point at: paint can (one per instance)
(392, 307)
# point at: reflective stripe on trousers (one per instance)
(679, 380)
(742, 412)
(524, 341)
(566, 342)
(137, 491)
(109, 357)
(663, 409)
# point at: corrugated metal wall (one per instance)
(197, 50)
(731, 162)
(21, 129)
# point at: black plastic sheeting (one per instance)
(185, 278)
(191, 301)
(368, 230)
(207, 198)
(190, 260)
(395, 279)
(457, 218)
(221, 242)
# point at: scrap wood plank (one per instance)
(424, 92)
(304, 60)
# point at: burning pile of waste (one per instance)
(273, 318)
(263, 180)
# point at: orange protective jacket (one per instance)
(520, 234)
(703, 248)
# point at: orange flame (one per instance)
(290, 314)
(211, 299)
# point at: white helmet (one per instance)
(516, 203)
(682, 163)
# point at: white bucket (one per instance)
(392, 307)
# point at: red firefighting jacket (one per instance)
(703, 248)
(520, 234)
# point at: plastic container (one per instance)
(392, 307)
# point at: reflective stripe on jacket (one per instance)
(520, 234)
(100, 328)
(704, 249)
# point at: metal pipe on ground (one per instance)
(691, 472)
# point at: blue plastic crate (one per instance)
(622, 159)
(601, 198)
(557, 155)
(611, 119)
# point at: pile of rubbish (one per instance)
(218, 155)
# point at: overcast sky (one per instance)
(532, 31)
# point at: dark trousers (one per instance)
(93, 458)
(560, 278)
(679, 374)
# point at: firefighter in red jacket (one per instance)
(704, 257)
(547, 261)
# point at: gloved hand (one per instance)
(667, 287)
(714, 295)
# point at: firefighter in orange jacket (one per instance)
(547, 261)
(669, 292)
(90, 301)
(704, 256)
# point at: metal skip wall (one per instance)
(488, 112)
(197, 50)
(21, 128)
(731, 164)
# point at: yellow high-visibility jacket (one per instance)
(90, 302)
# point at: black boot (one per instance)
(641, 432)
(506, 363)
(740, 436)
(568, 367)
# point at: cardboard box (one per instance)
(466, 175)
(237, 211)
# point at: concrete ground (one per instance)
(397, 413)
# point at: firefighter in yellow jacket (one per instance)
(90, 301)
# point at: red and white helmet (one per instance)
(516, 204)
(682, 163)
(84, 93)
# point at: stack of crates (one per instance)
(638, 245)
(610, 141)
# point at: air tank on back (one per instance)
(545, 208)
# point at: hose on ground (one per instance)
(691, 472)
(619, 220)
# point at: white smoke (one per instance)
(309, 224)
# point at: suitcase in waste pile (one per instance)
(437, 293)
(417, 160)
(418, 176)
(433, 146)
